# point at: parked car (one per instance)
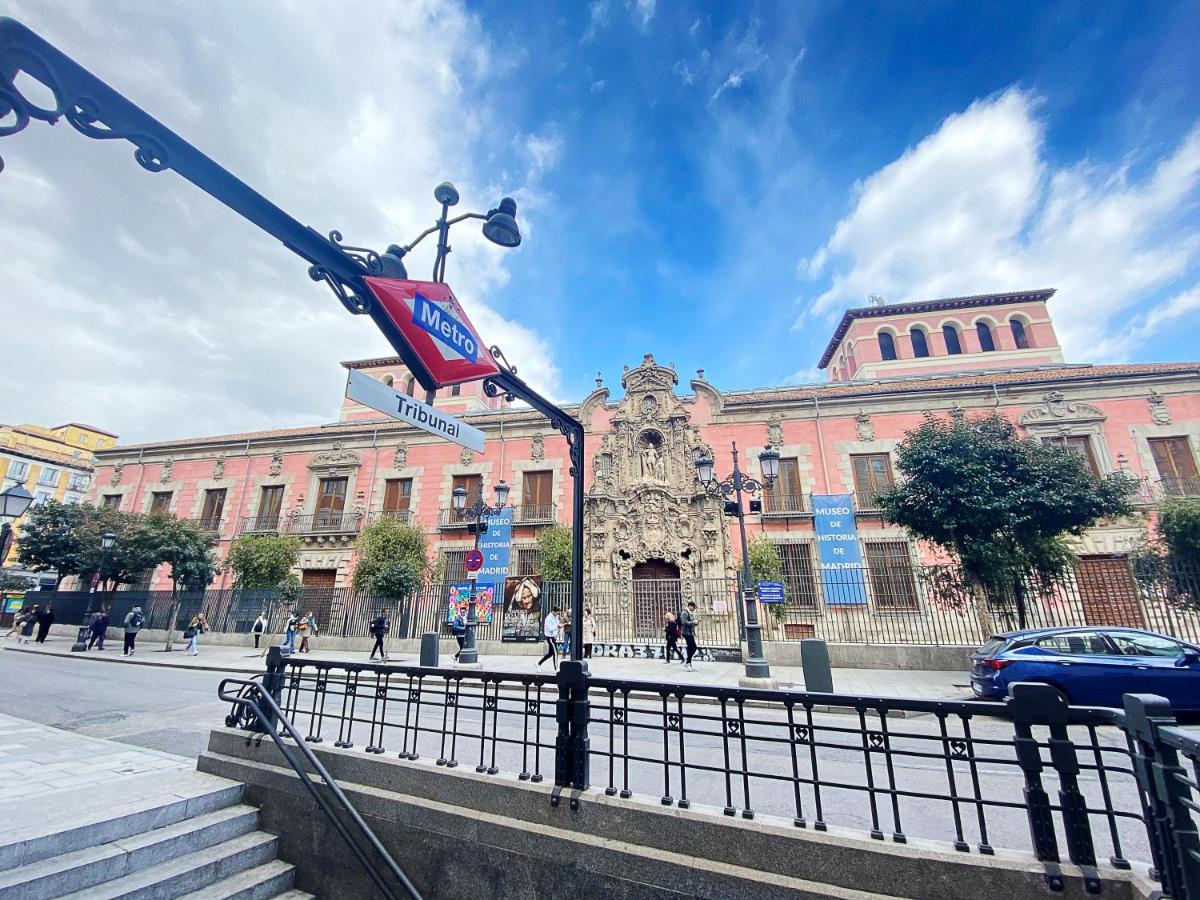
(1091, 666)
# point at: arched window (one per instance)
(1019, 337)
(410, 386)
(455, 390)
(887, 346)
(953, 345)
(388, 380)
(986, 344)
(429, 397)
(919, 344)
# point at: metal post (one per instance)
(469, 655)
(572, 747)
(5, 537)
(756, 663)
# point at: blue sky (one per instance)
(712, 183)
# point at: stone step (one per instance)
(188, 873)
(80, 869)
(270, 880)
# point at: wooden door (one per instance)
(1176, 465)
(317, 596)
(270, 502)
(536, 497)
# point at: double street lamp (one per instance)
(480, 512)
(734, 486)
(107, 540)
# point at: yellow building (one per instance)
(52, 463)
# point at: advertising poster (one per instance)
(522, 609)
(460, 599)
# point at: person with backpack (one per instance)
(308, 629)
(258, 629)
(671, 631)
(458, 628)
(550, 629)
(134, 620)
(687, 623)
(289, 632)
(195, 628)
(379, 628)
(98, 628)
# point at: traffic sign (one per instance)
(431, 321)
(770, 592)
(366, 390)
(474, 560)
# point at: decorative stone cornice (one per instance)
(335, 461)
(1057, 410)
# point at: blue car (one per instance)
(1090, 666)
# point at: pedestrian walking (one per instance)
(258, 628)
(687, 624)
(44, 620)
(98, 628)
(671, 631)
(28, 620)
(195, 628)
(565, 628)
(550, 629)
(308, 629)
(17, 622)
(589, 632)
(289, 632)
(379, 628)
(134, 620)
(458, 628)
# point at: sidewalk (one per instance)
(918, 684)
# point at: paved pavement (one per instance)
(922, 684)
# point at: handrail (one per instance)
(248, 696)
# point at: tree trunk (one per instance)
(982, 616)
(174, 615)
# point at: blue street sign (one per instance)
(770, 592)
(438, 322)
(838, 551)
(496, 545)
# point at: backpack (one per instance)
(673, 630)
(136, 620)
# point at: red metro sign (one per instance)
(429, 320)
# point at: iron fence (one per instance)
(1030, 775)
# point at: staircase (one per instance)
(194, 844)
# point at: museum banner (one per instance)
(838, 550)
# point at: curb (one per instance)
(138, 662)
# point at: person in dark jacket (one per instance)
(379, 628)
(28, 619)
(671, 633)
(687, 623)
(44, 620)
(98, 628)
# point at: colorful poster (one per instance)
(522, 609)
(838, 552)
(460, 598)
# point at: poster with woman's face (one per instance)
(522, 609)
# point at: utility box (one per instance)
(429, 649)
(814, 659)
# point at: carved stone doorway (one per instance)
(656, 592)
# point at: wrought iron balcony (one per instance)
(534, 514)
(261, 524)
(779, 505)
(326, 522)
(866, 502)
(403, 516)
(211, 524)
(1186, 486)
(455, 518)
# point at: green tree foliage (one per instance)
(1178, 530)
(765, 565)
(263, 560)
(10, 581)
(389, 546)
(52, 537)
(397, 579)
(554, 553)
(1003, 504)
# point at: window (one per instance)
(111, 501)
(872, 475)
(18, 470)
(430, 396)
(473, 485)
(1081, 444)
(1131, 643)
(388, 380)
(160, 502)
(1176, 466)
(1020, 339)
(455, 390)
(784, 495)
(78, 483)
(41, 497)
(270, 504)
(410, 386)
(527, 561)
(331, 502)
(48, 477)
(953, 344)
(919, 344)
(799, 580)
(214, 506)
(397, 495)
(986, 344)
(891, 571)
(456, 564)
(537, 498)
(887, 345)
(1083, 643)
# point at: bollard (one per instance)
(814, 658)
(429, 649)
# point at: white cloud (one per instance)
(1181, 306)
(597, 19)
(598, 86)
(975, 207)
(643, 12)
(153, 311)
(810, 375)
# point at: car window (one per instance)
(1145, 645)
(992, 645)
(1079, 644)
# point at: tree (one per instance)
(263, 561)
(396, 580)
(52, 538)
(385, 544)
(1178, 529)
(188, 549)
(765, 565)
(136, 548)
(1004, 505)
(554, 553)
(10, 581)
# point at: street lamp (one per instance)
(480, 512)
(14, 501)
(757, 670)
(107, 540)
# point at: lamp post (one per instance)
(107, 540)
(14, 501)
(480, 512)
(757, 670)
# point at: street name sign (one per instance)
(366, 390)
(433, 324)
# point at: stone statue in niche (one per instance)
(538, 451)
(219, 467)
(400, 457)
(165, 476)
(652, 464)
(115, 478)
(276, 462)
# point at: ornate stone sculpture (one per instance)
(219, 467)
(165, 475)
(1055, 409)
(538, 451)
(1158, 408)
(400, 457)
(117, 471)
(775, 431)
(466, 457)
(862, 425)
(276, 463)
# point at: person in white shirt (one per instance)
(550, 630)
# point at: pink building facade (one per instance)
(647, 518)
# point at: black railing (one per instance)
(866, 502)
(534, 514)
(777, 504)
(1067, 784)
(1180, 486)
(209, 523)
(255, 708)
(322, 522)
(404, 516)
(261, 524)
(455, 518)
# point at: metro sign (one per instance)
(432, 323)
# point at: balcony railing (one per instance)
(455, 518)
(779, 505)
(866, 502)
(327, 522)
(403, 516)
(1186, 486)
(534, 514)
(211, 524)
(261, 524)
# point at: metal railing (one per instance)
(322, 522)
(255, 708)
(211, 524)
(1029, 775)
(1185, 486)
(534, 514)
(403, 516)
(455, 518)
(261, 524)
(780, 505)
(866, 502)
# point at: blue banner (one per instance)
(838, 551)
(496, 545)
